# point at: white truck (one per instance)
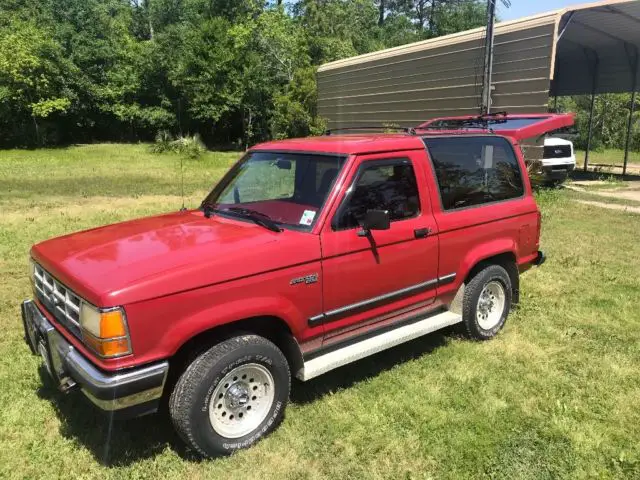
(558, 159)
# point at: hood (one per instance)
(156, 256)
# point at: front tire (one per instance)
(231, 396)
(487, 302)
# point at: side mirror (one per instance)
(375, 220)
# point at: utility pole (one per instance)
(488, 58)
(488, 54)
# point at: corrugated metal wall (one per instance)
(442, 76)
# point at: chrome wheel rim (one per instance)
(490, 306)
(241, 400)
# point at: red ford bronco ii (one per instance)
(309, 254)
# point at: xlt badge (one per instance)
(313, 278)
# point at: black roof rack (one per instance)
(480, 122)
(409, 130)
(461, 126)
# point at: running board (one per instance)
(351, 353)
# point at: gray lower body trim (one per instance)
(342, 312)
(373, 344)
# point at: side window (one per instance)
(474, 170)
(387, 185)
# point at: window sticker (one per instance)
(307, 217)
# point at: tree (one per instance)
(433, 18)
(610, 116)
(235, 71)
(36, 81)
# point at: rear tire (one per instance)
(231, 396)
(487, 302)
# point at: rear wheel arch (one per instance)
(506, 260)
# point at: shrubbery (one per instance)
(188, 145)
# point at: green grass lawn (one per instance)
(556, 395)
(609, 156)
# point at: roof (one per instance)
(566, 51)
(445, 40)
(346, 144)
(597, 48)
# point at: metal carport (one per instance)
(589, 49)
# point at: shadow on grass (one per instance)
(580, 174)
(117, 442)
(112, 441)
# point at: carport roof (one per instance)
(594, 46)
(597, 48)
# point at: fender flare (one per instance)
(483, 251)
(223, 314)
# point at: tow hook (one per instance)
(67, 384)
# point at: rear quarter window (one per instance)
(473, 171)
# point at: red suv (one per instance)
(309, 254)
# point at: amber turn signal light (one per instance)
(107, 348)
(105, 331)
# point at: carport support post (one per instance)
(594, 84)
(586, 154)
(633, 64)
(629, 125)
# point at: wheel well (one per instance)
(273, 329)
(507, 261)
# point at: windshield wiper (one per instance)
(259, 218)
(208, 209)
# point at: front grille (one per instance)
(59, 301)
(559, 151)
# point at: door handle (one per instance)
(421, 232)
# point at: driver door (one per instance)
(369, 279)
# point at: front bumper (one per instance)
(558, 171)
(134, 391)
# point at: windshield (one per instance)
(288, 188)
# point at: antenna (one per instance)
(183, 208)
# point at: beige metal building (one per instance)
(592, 48)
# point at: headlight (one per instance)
(105, 331)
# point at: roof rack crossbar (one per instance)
(450, 127)
(480, 122)
(409, 130)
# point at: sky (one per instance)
(524, 8)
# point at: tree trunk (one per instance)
(381, 14)
(35, 124)
(147, 5)
(247, 121)
(432, 18)
(420, 13)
